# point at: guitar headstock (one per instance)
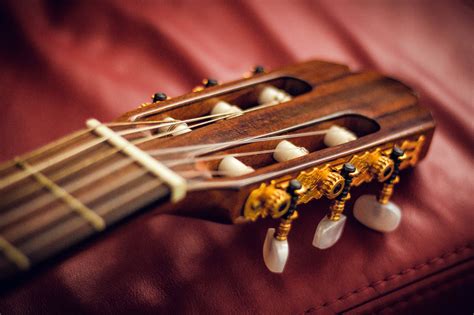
(259, 146)
(235, 152)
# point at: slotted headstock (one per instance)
(233, 152)
(381, 111)
(384, 130)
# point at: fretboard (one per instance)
(66, 192)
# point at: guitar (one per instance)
(235, 152)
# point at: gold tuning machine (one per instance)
(271, 200)
(381, 166)
(320, 182)
(276, 247)
(386, 193)
(378, 212)
(337, 207)
(330, 228)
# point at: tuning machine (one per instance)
(330, 228)
(379, 213)
(275, 248)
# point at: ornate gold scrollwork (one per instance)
(267, 200)
(320, 182)
(371, 165)
(326, 181)
(412, 151)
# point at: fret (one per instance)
(14, 255)
(87, 214)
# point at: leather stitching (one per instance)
(406, 299)
(394, 276)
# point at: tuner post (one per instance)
(287, 219)
(275, 248)
(348, 171)
(329, 229)
(386, 193)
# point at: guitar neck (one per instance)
(65, 192)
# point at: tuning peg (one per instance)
(275, 248)
(380, 214)
(330, 228)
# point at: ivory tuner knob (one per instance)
(328, 232)
(232, 167)
(285, 151)
(275, 252)
(379, 217)
(337, 135)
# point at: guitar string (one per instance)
(211, 147)
(10, 180)
(41, 166)
(78, 184)
(191, 160)
(75, 135)
(87, 162)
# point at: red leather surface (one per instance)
(64, 62)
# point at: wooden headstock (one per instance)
(381, 111)
(178, 145)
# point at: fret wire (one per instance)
(52, 145)
(36, 204)
(96, 221)
(66, 229)
(59, 213)
(14, 254)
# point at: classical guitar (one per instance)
(235, 152)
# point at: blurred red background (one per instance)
(64, 62)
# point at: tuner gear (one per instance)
(382, 168)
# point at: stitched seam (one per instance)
(394, 276)
(439, 287)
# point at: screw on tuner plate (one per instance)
(329, 229)
(206, 83)
(379, 213)
(158, 97)
(275, 248)
(258, 69)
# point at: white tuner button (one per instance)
(275, 252)
(379, 217)
(328, 232)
